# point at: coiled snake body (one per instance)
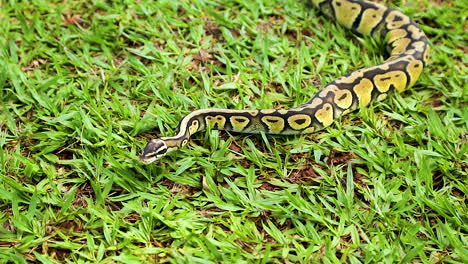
(408, 56)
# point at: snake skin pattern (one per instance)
(408, 56)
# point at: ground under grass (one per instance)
(84, 85)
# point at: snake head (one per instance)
(154, 150)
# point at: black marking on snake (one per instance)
(300, 121)
(271, 120)
(397, 18)
(343, 97)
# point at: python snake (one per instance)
(408, 56)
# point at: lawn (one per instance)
(85, 84)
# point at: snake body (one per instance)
(409, 53)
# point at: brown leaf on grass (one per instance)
(269, 187)
(212, 28)
(235, 148)
(336, 158)
(303, 175)
(71, 19)
(34, 64)
(202, 56)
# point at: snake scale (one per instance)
(409, 53)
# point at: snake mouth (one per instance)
(147, 161)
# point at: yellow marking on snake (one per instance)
(253, 112)
(370, 19)
(267, 111)
(350, 78)
(217, 121)
(363, 91)
(346, 12)
(426, 55)
(418, 46)
(414, 70)
(397, 79)
(384, 66)
(396, 19)
(325, 114)
(316, 102)
(324, 92)
(239, 123)
(194, 127)
(400, 45)
(416, 33)
(275, 124)
(396, 34)
(343, 98)
(299, 121)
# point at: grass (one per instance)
(84, 85)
